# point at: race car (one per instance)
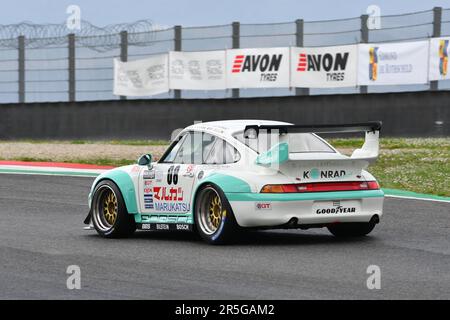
(223, 177)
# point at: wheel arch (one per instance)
(226, 183)
(126, 187)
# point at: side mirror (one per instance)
(145, 160)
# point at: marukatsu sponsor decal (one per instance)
(168, 193)
(336, 210)
(333, 64)
(267, 64)
(323, 174)
(172, 206)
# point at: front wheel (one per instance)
(351, 229)
(109, 213)
(214, 218)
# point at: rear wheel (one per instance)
(214, 218)
(109, 213)
(351, 229)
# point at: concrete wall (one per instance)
(403, 114)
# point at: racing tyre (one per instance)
(351, 229)
(109, 214)
(214, 219)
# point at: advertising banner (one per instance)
(439, 53)
(258, 68)
(141, 77)
(324, 67)
(393, 63)
(204, 70)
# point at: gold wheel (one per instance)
(215, 211)
(210, 211)
(110, 207)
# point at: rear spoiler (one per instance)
(368, 152)
(371, 126)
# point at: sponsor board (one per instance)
(324, 67)
(165, 226)
(439, 55)
(141, 77)
(204, 70)
(258, 68)
(393, 63)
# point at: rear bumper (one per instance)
(266, 210)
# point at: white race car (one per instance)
(222, 177)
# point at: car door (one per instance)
(167, 187)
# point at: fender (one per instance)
(228, 184)
(125, 185)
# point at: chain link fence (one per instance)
(43, 63)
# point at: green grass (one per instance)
(96, 161)
(113, 142)
(419, 165)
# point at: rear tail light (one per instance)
(320, 187)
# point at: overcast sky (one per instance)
(201, 12)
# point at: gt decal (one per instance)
(149, 174)
(263, 206)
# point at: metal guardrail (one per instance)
(43, 63)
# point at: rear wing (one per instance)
(369, 151)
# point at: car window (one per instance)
(222, 153)
(298, 142)
(194, 148)
(170, 154)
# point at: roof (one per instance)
(230, 126)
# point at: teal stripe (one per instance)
(304, 196)
(65, 173)
(410, 194)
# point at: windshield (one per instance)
(298, 142)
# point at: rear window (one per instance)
(298, 142)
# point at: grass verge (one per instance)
(418, 165)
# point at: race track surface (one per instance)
(41, 234)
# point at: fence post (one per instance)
(364, 39)
(177, 47)
(437, 20)
(21, 68)
(71, 42)
(299, 40)
(123, 51)
(236, 37)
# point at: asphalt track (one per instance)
(41, 235)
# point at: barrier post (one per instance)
(299, 39)
(123, 51)
(364, 39)
(177, 47)
(236, 35)
(71, 64)
(437, 20)
(21, 68)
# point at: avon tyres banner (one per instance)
(197, 70)
(439, 55)
(324, 67)
(393, 63)
(258, 68)
(141, 77)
